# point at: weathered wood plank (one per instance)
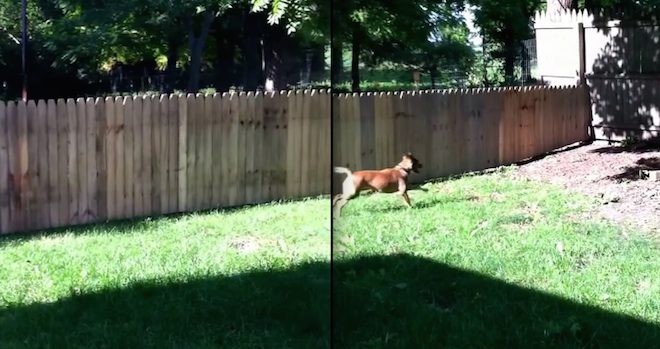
(173, 153)
(93, 153)
(130, 132)
(218, 151)
(207, 154)
(31, 171)
(5, 224)
(242, 148)
(109, 133)
(101, 185)
(160, 161)
(81, 160)
(258, 168)
(120, 130)
(183, 152)
(269, 147)
(227, 145)
(139, 165)
(325, 165)
(282, 136)
(192, 155)
(40, 187)
(147, 182)
(16, 208)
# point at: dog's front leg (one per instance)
(403, 191)
(405, 197)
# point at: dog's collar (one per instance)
(401, 168)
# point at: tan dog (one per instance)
(389, 180)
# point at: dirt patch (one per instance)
(610, 174)
(245, 245)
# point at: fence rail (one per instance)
(69, 162)
(456, 131)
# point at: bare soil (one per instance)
(610, 174)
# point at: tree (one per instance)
(121, 31)
(306, 20)
(444, 50)
(506, 23)
(383, 30)
(561, 5)
(49, 22)
(193, 17)
(77, 42)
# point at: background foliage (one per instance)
(109, 47)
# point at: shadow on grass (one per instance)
(401, 301)
(270, 309)
(631, 173)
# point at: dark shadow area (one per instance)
(623, 81)
(553, 152)
(631, 173)
(267, 309)
(650, 145)
(402, 301)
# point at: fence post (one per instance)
(581, 53)
(583, 83)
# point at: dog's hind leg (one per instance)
(348, 192)
(336, 199)
(340, 201)
(336, 208)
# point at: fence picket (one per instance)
(5, 224)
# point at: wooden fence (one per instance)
(453, 132)
(69, 162)
(619, 60)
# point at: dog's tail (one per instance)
(344, 170)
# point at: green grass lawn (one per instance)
(256, 277)
(491, 262)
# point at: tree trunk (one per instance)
(271, 57)
(337, 61)
(196, 47)
(509, 62)
(561, 5)
(251, 47)
(319, 65)
(483, 58)
(433, 73)
(525, 66)
(170, 70)
(226, 33)
(355, 60)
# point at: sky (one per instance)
(475, 37)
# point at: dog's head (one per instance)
(410, 163)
